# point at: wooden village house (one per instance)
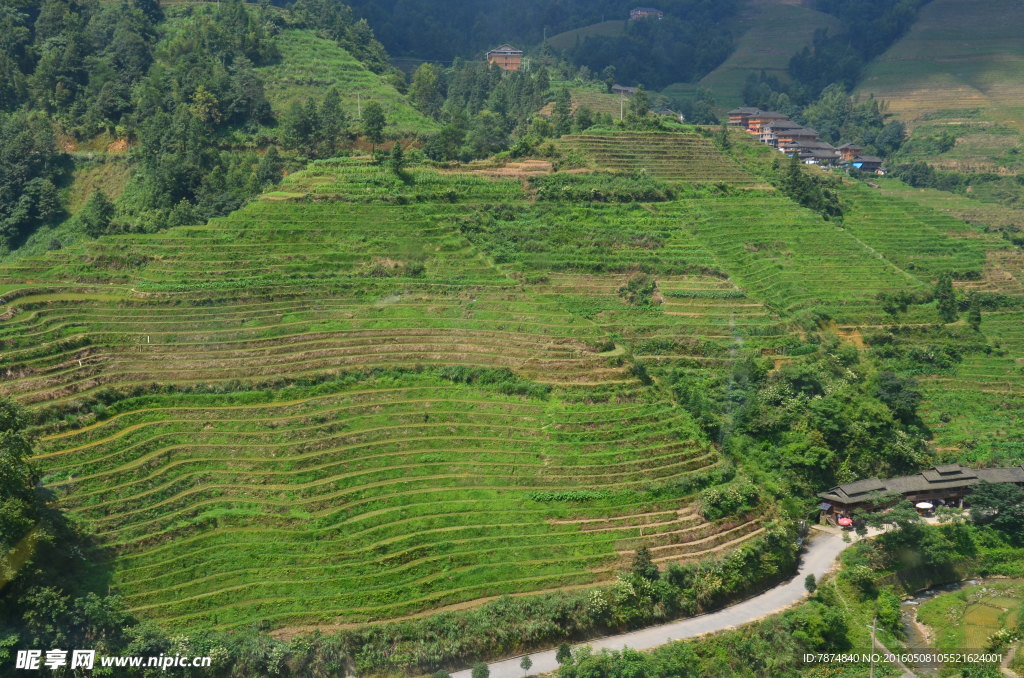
(949, 484)
(638, 13)
(777, 130)
(506, 57)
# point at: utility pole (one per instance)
(874, 624)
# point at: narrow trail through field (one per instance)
(818, 559)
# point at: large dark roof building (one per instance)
(949, 482)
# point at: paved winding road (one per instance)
(819, 557)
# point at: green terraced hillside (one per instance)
(769, 33)
(366, 397)
(397, 480)
(666, 156)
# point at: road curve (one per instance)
(818, 558)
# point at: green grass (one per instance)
(311, 65)
(958, 69)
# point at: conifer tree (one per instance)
(945, 299)
(97, 214)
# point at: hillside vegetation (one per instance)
(450, 406)
(310, 65)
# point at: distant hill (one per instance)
(959, 71)
(568, 39)
(769, 33)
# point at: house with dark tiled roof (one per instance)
(867, 163)
(814, 152)
(763, 119)
(781, 132)
(740, 117)
(850, 151)
(949, 483)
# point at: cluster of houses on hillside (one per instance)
(778, 131)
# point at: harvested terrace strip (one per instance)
(377, 500)
(59, 350)
(667, 156)
(1003, 274)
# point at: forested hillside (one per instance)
(182, 94)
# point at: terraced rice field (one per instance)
(769, 33)
(670, 157)
(978, 213)
(790, 258)
(268, 427)
(916, 238)
(360, 399)
(966, 619)
(382, 498)
(310, 65)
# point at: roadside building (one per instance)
(948, 484)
